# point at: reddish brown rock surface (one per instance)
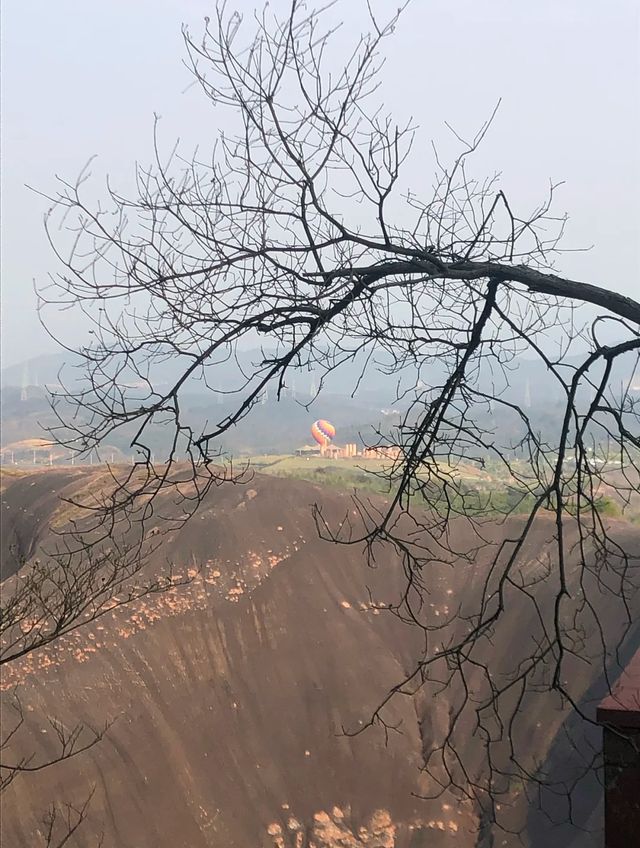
(230, 696)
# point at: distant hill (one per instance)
(356, 404)
(39, 371)
(51, 369)
(272, 426)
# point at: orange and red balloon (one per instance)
(323, 432)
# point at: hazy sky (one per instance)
(81, 77)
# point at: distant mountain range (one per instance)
(357, 403)
(529, 379)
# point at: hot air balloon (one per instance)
(323, 432)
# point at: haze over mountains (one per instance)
(358, 404)
(376, 383)
(231, 696)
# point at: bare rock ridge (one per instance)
(26, 514)
(230, 696)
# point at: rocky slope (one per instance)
(234, 698)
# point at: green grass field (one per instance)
(482, 494)
(344, 474)
(478, 491)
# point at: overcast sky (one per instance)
(81, 77)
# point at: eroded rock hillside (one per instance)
(234, 699)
